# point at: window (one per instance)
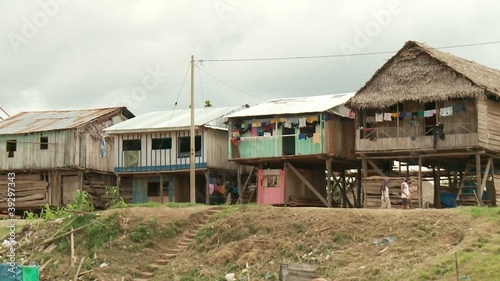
(11, 147)
(153, 189)
(164, 143)
(185, 146)
(44, 142)
(129, 145)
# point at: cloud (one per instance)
(91, 54)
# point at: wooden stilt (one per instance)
(207, 195)
(360, 185)
(478, 177)
(420, 192)
(329, 189)
(365, 175)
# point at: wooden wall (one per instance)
(66, 148)
(164, 159)
(31, 191)
(489, 124)
(28, 155)
(216, 148)
(373, 195)
(340, 137)
(296, 188)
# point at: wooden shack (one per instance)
(152, 155)
(55, 153)
(292, 142)
(435, 110)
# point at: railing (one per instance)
(413, 132)
(273, 146)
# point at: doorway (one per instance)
(288, 141)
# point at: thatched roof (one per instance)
(423, 74)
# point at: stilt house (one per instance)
(429, 108)
(152, 155)
(55, 153)
(291, 142)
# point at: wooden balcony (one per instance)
(387, 139)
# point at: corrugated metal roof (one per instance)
(173, 120)
(39, 121)
(299, 105)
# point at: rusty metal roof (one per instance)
(40, 121)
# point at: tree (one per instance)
(207, 103)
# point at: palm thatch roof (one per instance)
(423, 74)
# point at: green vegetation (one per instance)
(477, 259)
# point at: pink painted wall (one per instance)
(271, 188)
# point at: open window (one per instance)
(44, 142)
(11, 148)
(131, 145)
(161, 143)
(185, 146)
(153, 189)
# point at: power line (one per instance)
(339, 55)
(230, 85)
(178, 95)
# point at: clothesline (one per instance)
(442, 112)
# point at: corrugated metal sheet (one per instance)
(39, 121)
(173, 120)
(298, 105)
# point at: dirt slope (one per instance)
(253, 241)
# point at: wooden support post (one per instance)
(485, 177)
(240, 168)
(437, 197)
(494, 197)
(360, 185)
(365, 175)
(397, 119)
(345, 201)
(207, 196)
(420, 192)
(306, 182)
(161, 188)
(478, 182)
(118, 181)
(329, 188)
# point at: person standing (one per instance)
(405, 194)
(384, 190)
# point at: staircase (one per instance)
(186, 238)
(248, 193)
(469, 180)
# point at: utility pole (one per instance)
(192, 178)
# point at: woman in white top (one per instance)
(405, 194)
(384, 190)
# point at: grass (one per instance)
(4, 227)
(479, 258)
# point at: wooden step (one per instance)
(153, 267)
(145, 274)
(162, 262)
(168, 256)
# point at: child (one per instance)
(384, 190)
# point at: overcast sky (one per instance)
(85, 54)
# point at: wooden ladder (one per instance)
(246, 194)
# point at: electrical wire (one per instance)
(178, 95)
(230, 85)
(338, 55)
